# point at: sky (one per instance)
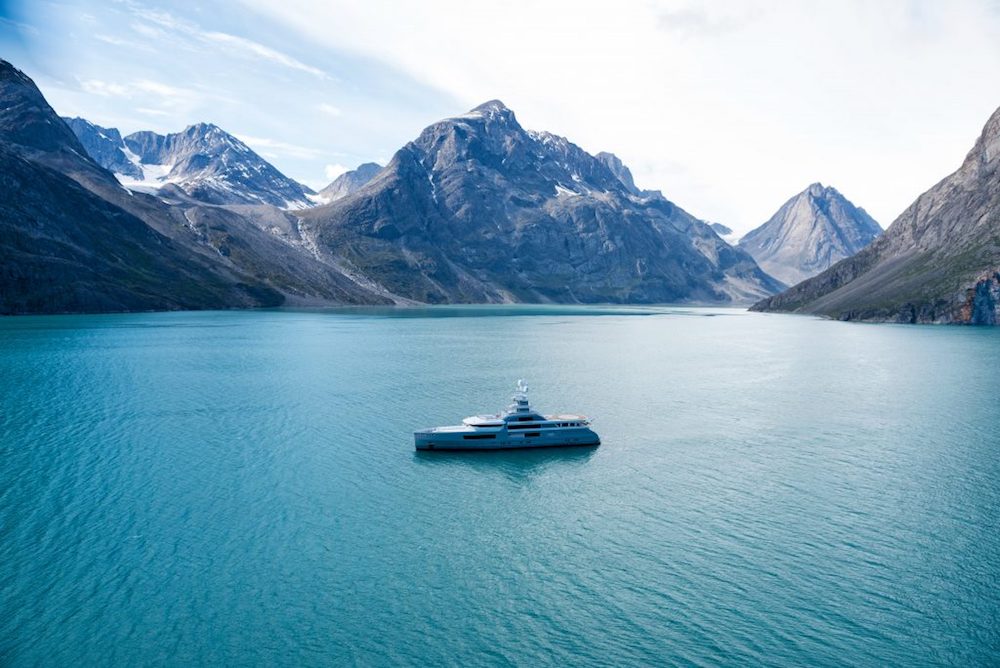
(728, 107)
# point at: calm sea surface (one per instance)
(241, 488)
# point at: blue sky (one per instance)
(310, 109)
(729, 107)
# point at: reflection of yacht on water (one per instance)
(518, 427)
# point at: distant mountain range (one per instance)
(478, 209)
(349, 182)
(475, 209)
(204, 161)
(809, 233)
(938, 262)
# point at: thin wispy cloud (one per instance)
(153, 112)
(708, 19)
(275, 147)
(164, 21)
(110, 88)
(253, 49)
(333, 171)
(104, 88)
(18, 25)
(754, 98)
(330, 110)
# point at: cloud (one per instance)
(104, 88)
(152, 112)
(330, 110)
(333, 171)
(148, 97)
(755, 98)
(18, 25)
(164, 22)
(273, 147)
(115, 41)
(707, 20)
(249, 47)
(137, 87)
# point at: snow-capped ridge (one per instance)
(203, 160)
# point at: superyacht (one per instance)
(518, 427)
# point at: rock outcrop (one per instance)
(938, 262)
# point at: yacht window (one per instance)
(532, 433)
(473, 437)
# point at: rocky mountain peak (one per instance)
(27, 119)
(492, 108)
(810, 232)
(938, 262)
(986, 151)
(618, 168)
(203, 160)
(349, 182)
(479, 209)
(105, 146)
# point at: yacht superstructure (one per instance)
(518, 427)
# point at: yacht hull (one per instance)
(460, 441)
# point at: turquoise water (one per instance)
(241, 488)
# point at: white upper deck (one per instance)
(520, 410)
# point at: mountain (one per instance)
(721, 229)
(348, 182)
(938, 262)
(106, 147)
(74, 240)
(618, 168)
(66, 249)
(203, 160)
(725, 233)
(478, 209)
(810, 232)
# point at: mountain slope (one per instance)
(810, 232)
(74, 240)
(349, 182)
(938, 262)
(203, 160)
(106, 147)
(67, 249)
(479, 209)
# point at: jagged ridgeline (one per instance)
(938, 262)
(810, 232)
(476, 209)
(203, 160)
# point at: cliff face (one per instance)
(73, 239)
(938, 262)
(67, 249)
(810, 232)
(478, 209)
